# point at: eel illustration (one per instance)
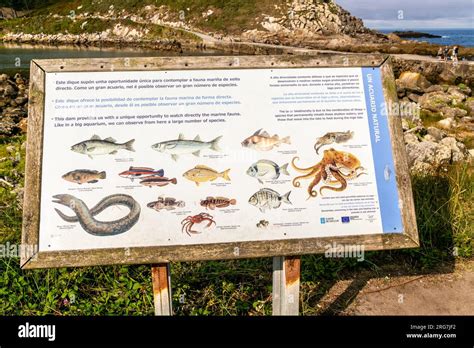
(85, 216)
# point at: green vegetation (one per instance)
(229, 15)
(445, 217)
(429, 118)
(49, 25)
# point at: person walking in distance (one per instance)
(439, 55)
(455, 54)
(445, 53)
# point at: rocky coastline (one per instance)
(315, 24)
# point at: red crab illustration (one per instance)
(189, 222)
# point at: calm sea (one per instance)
(450, 37)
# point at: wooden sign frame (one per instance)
(408, 238)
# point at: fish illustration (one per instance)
(157, 181)
(267, 170)
(82, 176)
(331, 138)
(262, 141)
(182, 146)
(268, 199)
(140, 172)
(202, 173)
(167, 203)
(95, 146)
(217, 202)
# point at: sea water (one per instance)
(449, 37)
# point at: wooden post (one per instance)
(286, 285)
(161, 278)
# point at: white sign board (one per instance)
(163, 158)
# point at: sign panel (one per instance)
(202, 157)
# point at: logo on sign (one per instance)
(322, 220)
(345, 219)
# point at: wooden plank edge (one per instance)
(33, 162)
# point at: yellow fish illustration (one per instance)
(202, 173)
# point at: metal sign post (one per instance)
(286, 285)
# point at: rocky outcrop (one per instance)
(13, 104)
(7, 13)
(434, 135)
(414, 34)
(303, 21)
(315, 17)
(436, 101)
(428, 155)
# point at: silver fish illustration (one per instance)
(267, 170)
(181, 146)
(268, 199)
(331, 138)
(96, 146)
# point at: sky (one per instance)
(412, 14)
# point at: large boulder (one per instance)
(436, 133)
(454, 112)
(434, 101)
(447, 123)
(428, 155)
(7, 126)
(428, 152)
(413, 81)
(458, 149)
(437, 88)
(457, 94)
(470, 105)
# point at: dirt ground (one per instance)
(439, 294)
(449, 293)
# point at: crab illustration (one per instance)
(189, 222)
(335, 167)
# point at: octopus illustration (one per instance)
(336, 167)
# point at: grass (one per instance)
(429, 118)
(445, 217)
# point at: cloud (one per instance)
(412, 13)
